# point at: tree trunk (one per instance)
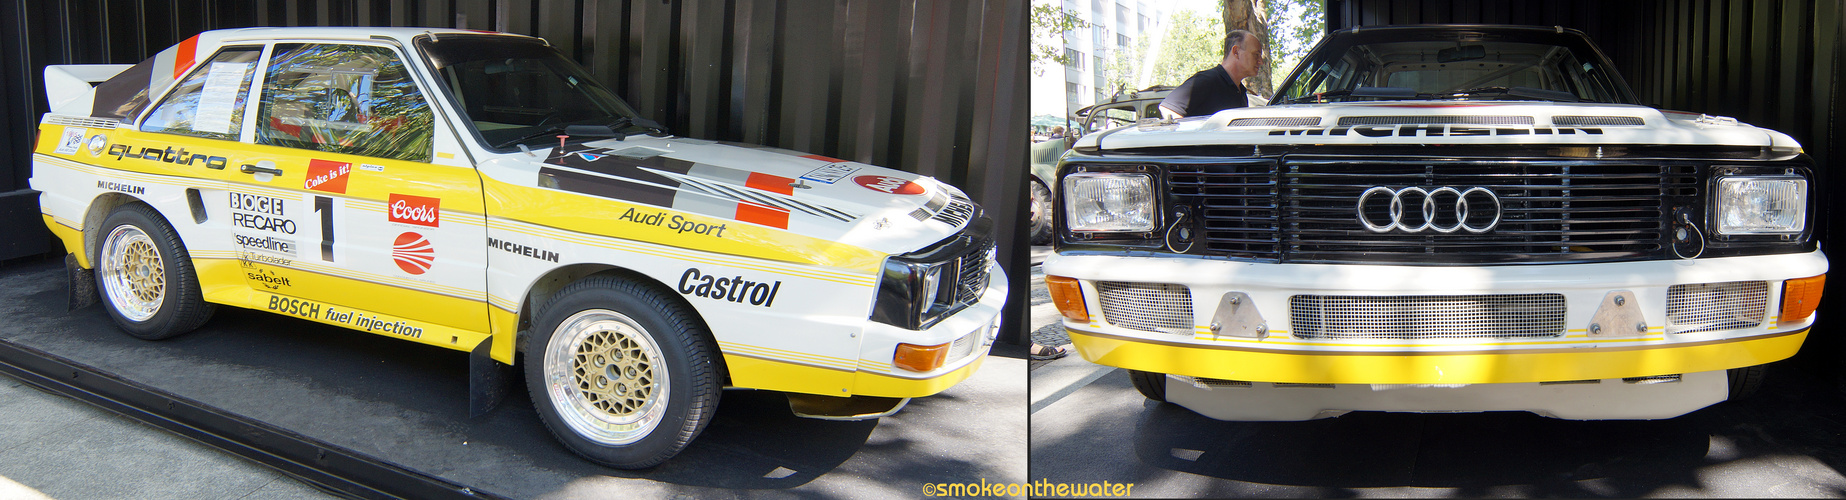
(1247, 15)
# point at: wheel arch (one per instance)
(99, 209)
(547, 285)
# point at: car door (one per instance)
(383, 220)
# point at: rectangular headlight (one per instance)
(1762, 205)
(1109, 202)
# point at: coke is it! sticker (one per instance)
(417, 210)
(888, 185)
(327, 176)
(413, 253)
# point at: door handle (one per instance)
(253, 169)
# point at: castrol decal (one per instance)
(888, 185)
(415, 210)
(413, 253)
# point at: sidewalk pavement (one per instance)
(54, 447)
(1052, 380)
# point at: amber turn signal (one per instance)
(1069, 297)
(920, 358)
(1799, 298)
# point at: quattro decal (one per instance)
(733, 289)
(168, 155)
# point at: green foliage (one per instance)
(1049, 25)
(1295, 26)
(1194, 42)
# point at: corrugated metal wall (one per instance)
(932, 87)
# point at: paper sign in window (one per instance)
(219, 99)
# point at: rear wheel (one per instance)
(621, 373)
(1746, 381)
(1153, 385)
(145, 275)
(1041, 213)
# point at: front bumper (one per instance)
(1575, 355)
(971, 333)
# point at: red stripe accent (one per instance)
(183, 60)
(823, 158)
(758, 214)
(770, 183)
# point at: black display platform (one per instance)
(373, 416)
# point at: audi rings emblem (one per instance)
(1443, 210)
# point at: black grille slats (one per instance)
(1306, 211)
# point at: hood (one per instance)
(1425, 122)
(848, 202)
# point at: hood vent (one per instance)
(1293, 121)
(1597, 120)
(1435, 120)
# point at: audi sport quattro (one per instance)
(480, 192)
(1440, 219)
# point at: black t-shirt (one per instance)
(1207, 92)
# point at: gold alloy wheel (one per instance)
(133, 277)
(603, 375)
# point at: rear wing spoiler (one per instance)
(70, 88)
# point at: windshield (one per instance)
(1454, 65)
(517, 90)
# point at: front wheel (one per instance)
(621, 373)
(146, 277)
(1153, 385)
(1746, 381)
(1041, 213)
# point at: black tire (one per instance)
(608, 322)
(145, 275)
(1746, 381)
(1041, 213)
(1153, 385)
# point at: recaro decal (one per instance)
(1416, 130)
(414, 210)
(413, 253)
(733, 289)
(327, 176)
(888, 185)
(168, 155)
(260, 212)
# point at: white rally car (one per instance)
(1440, 218)
(480, 192)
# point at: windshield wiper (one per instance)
(1375, 92)
(1526, 92)
(642, 123)
(548, 131)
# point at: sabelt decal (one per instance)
(731, 289)
(415, 210)
(312, 310)
(267, 278)
(888, 185)
(830, 173)
(413, 253)
(1433, 131)
(676, 223)
(168, 155)
(121, 188)
(72, 140)
(518, 249)
(327, 176)
(260, 212)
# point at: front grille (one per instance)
(1308, 212)
(964, 346)
(970, 272)
(1709, 307)
(1153, 307)
(1604, 121)
(1530, 315)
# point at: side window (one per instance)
(352, 99)
(210, 102)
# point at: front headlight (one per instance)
(1762, 205)
(1109, 202)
